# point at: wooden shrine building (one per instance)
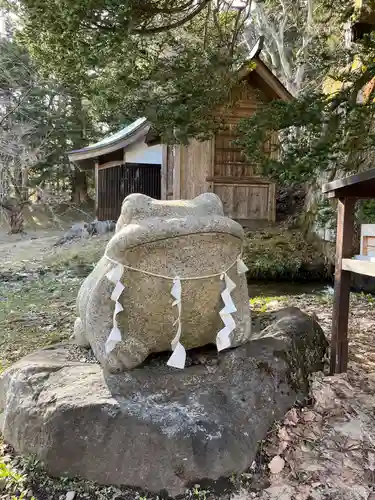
(123, 164)
(218, 165)
(132, 161)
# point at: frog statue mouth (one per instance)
(164, 254)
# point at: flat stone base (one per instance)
(154, 427)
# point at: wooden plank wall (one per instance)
(245, 196)
(196, 160)
(245, 201)
(229, 161)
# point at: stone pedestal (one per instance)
(156, 427)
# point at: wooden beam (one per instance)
(239, 180)
(211, 166)
(365, 267)
(359, 191)
(109, 164)
(353, 180)
(340, 317)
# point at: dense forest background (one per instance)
(72, 71)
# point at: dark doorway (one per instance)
(116, 183)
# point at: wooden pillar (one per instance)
(340, 317)
(177, 152)
(164, 173)
(96, 189)
(271, 202)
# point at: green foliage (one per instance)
(325, 216)
(40, 120)
(100, 50)
(260, 304)
(175, 97)
(12, 482)
(328, 128)
(283, 254)
(366, 212)
(198, 493)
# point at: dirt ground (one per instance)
(322, 451)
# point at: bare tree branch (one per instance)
(289, 62)
(160, 29)
(16, 106)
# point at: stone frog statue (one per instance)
(156, 240)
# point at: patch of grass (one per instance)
(364, 297)
(261, 304)
(12, 482)
(37, 481)
(35, 313)
(284, 254)
(198, 493)
(77, 254)
(37, 301)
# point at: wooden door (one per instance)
(116, 183)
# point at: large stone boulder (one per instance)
(190, 238)
(155, 427)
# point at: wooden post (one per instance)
(164, 173)
(271, 202)
(96, 189)
(340, 317)
(177, 153)
(211, 167)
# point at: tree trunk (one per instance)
(79, 187)
(78, 177)
(14, 215)
(16, 222)
(24, 191)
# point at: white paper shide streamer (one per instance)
(178, 358)
(241, 266)
(114, 277)
(223, 340)
(223, 337)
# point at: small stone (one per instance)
(70, 495)
(280, 492)
(276, 465)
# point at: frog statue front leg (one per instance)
(95, 320)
